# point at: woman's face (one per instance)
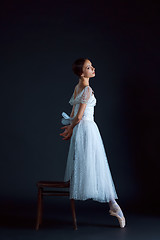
(88, 70)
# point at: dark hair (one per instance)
(78, 65)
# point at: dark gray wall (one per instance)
(39, 42)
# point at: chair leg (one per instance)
(39, 209)
(73, 214)
(41, 206)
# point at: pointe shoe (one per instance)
(121, 220)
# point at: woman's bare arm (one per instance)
(79, 115)
(69, 128)
(72, 112)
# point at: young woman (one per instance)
(87, 166)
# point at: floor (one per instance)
(94, 222)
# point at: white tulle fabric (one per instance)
(87, 167)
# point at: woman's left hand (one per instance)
(67, 133)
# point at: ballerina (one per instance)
(87, 166)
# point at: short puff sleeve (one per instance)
(86, 94)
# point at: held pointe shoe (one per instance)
(121, 219)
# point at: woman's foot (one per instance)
(116, 211)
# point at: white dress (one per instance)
(87, 167)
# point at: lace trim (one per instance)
(82, 97)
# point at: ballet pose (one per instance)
(87, 166)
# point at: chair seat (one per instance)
(53, 184)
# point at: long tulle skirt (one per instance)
(87, 165)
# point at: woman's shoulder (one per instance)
(86, 87)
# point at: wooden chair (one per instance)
(42, 192)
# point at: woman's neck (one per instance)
(83, 81)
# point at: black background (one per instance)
(39, 42)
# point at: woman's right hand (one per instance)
(67, 133)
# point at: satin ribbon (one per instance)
(66, 120)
